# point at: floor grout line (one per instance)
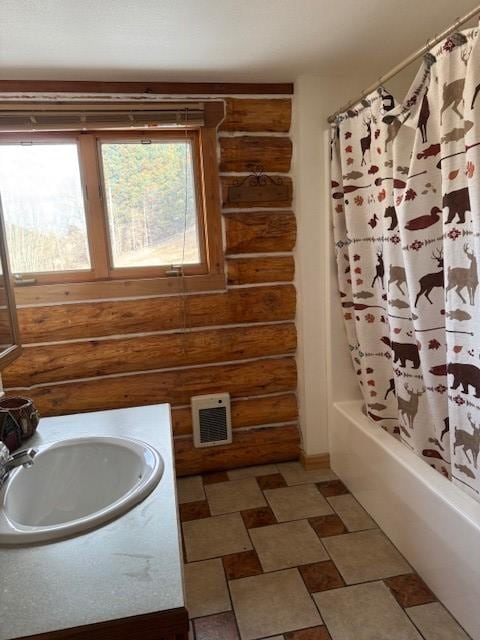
(231, 601)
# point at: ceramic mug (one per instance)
(24, 413)
(10, 431)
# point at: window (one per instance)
(110, 205)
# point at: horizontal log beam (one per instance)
(247, 153)
(95, 319)
(69, 292)
(174, 88)
(250, 412)
(260, 232)
(255, 446)
(258, 270)
(74, 360)
(260, 377)
(258, 114)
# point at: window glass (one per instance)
(151, 204)
(43, 207)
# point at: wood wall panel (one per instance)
(246, 412)
(255, 446)
(260, 377)
(260, 232)
(228, 181)
(247, 153)
(105, 349)
(68, 361)
(262, 269)
(94, 319)
(257, 114)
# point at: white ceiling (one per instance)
(212, 40)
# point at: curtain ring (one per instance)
(429, 59)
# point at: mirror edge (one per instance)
(13, 352)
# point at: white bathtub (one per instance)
(432, 522)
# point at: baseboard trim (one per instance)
(317, 461)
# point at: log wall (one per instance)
(94, 355)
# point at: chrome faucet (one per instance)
(18, 459)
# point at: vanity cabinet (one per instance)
(165, 625)
(120, 581)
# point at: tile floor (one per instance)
(277, 552)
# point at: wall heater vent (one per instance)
(211, 420)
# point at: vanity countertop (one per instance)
(128, 567)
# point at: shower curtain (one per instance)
(406, 210)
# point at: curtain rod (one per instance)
(411, 58)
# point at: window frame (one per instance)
(80, 284)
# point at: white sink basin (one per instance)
(75, 485)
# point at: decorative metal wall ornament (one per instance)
(258, 188)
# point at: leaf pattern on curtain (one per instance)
(406, 210)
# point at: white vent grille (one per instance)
(211, 420)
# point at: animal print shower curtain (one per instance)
(406, 210)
